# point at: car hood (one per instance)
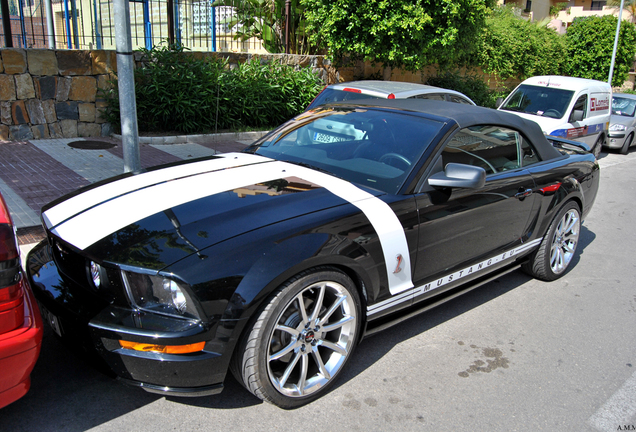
(624, 120)
(155, 218)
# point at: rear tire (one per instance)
(301, 340)
(558, 247)
(627, 144)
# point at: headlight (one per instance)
(617, 127)
(159, 294)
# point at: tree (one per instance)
(590, 43)
(265, 20)
(628, 5)
(514, 47)
(397, 33)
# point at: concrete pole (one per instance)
(126, 83)
(618, 29)
(49, 23)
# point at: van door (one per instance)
(588, 119)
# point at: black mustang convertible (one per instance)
(274, 262)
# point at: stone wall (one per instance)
(53, 93)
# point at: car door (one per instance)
(461, 227)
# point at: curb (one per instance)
(183, 139)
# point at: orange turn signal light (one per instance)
(166, 349)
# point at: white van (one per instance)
(572, 108)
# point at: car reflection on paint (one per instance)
(274, 263)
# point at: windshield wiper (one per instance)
(313, 167)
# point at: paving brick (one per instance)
(34, 175)
(149, 155)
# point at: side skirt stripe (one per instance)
(423, 289)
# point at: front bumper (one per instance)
(96, 323)
(616, 139)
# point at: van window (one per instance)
(580, 105)
(538, 100)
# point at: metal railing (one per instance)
(89, 24)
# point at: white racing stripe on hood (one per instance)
(99, 221)
(79, 203)
(117, 207)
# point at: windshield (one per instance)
(330, 95)
(540, 101)
(623, 106)
(374, 148)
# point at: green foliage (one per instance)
(590, 42)
(397, 33)
(265, 20)
(471, 85)
(514, 47)
(264, 95)
(176, 91)
(558, 7)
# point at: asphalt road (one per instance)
(514, 355)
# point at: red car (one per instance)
(20, 321)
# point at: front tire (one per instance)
(300, 341)
(558, 247)
(627, 144)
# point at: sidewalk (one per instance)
(33, 173)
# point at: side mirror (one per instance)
(577, 115)
(498, 102)
(459, 176)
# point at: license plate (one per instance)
(50, 318)
(320, 137)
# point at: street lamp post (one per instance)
(618, 29)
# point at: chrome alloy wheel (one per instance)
(566, 236)
(311, 339)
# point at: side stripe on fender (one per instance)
(384, 221)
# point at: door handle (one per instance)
(523, 193)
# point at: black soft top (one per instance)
(466, 116)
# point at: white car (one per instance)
(354, 90)
(622, 123)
